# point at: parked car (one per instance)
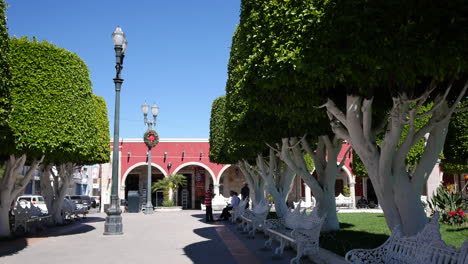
(35, 200)
(95, 201)
(81, 201)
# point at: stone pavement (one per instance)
(164, 237)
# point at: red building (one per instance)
(189, 157)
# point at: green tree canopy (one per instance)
(53, 110)
(101, 151)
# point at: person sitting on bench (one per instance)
(234, 203)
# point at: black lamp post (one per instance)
(113, 224)
(150, 123)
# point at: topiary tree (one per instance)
(224, 150)
(11, 160)
(54, 114)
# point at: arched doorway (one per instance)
(198, 176)
(136, 180)
(231, 179)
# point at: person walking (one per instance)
(209, 209)
(245, 192)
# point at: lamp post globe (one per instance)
(113, 224)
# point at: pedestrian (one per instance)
(208, 197)
(234, 203)
(245, 192)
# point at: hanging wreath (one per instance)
(151, 138)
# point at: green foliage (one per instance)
(223, 148)
(309, 162)
(100, 153)
(172, 181)
(5, 75)
(456, 145)
(52, 105)
(346, 191)
(448, 202)
(168, 203)
(359, 170)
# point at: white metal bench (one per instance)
(254, 220)
(427, 247)
(343, 201)
(297, 228)
(28, 217)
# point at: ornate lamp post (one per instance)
(113, 224)
(151, 139)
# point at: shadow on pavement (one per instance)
(211, 251)
(15, 245)
(202, 218)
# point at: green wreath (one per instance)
(151, 138)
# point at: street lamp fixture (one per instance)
(113, 224)
(150, 123)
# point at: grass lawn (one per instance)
(369, 230)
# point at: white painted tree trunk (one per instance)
(397, 189)
(278, 180)
(10, 188)
(255, 181)
(54, 187)
(326, 167)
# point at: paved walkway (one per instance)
(164, 237)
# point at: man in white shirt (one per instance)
(234, 203)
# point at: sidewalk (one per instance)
(164, 237)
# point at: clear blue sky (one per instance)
(177, 54)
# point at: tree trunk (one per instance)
(397, 189)
(326, 167)
(327, 207)
(10, 188)
(4, 221)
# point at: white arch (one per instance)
(348, 173)
(138, 165)
(222, 171)
(346, 170)
(197, 164)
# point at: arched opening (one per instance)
(198, 178)
(136, 180)
(231, 179)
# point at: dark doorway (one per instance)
(131, 183)
(188, 193)
(371, 196)
(338, 187)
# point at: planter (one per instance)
(168, 209)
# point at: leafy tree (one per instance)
(373, 65)
(259, 102)
(5, 75)
(54, 113)
(223, 149)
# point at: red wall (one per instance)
(136, 152)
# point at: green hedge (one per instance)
(4, 81)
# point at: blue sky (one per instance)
(177, 54)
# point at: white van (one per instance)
(35, 200)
